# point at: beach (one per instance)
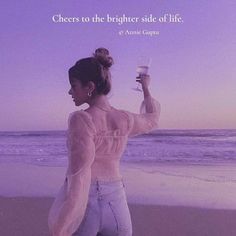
(28, 216)
(162, 201)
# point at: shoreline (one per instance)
(172, 185)
(28, 216)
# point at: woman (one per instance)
(92, 201)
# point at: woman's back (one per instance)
(98, 137)
(110, 139)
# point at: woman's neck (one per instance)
(100, 101)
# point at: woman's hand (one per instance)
(144, 80)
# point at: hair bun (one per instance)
(102, 55)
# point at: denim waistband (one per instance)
(106, 189)
(106, 182)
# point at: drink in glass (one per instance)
(142, 70)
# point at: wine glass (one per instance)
(143, 64)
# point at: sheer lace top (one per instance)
(95, 146)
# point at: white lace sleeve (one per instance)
(145, 121)
(69, 207)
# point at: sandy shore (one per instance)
(27, 216)
(167, 200)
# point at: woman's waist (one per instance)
(105, 165)
(97, 176)
(105, 171)
(110, 156)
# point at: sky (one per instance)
(193, 73)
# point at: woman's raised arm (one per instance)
(148, 118)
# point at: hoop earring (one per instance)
(89, 94)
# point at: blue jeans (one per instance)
(107, 212)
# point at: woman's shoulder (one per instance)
(79, 114)
(82, 118)
(124, 116)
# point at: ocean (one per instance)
(197, 147)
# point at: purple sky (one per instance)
(193, 71)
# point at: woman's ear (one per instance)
(91, 86)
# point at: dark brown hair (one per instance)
(94, 69)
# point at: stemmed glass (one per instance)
(143, 64)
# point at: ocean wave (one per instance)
(158, 146)
(33, 134)
(229, 133)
